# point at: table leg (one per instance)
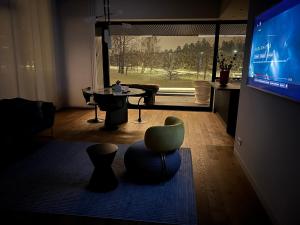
(103, 180)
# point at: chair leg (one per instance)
(96, 117)
(139, 120)
(163, 165)
(95, 120)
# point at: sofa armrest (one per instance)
(48, 110)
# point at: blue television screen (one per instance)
(275, 53)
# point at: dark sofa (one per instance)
(20, 120)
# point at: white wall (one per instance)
(160, 9)
(75, 48)
(269, 127)
(234, 9)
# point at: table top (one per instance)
(130, 92)
(102, 149)
(229, 86)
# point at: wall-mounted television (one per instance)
(275, 52)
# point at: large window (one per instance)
(172, 56)
(177, 57)
(169, 61)
(231, 45)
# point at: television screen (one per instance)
(275, 53)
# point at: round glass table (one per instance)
(129, 92)
(115, 105)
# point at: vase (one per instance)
(117, 88)
(224, 77)
(202, 92)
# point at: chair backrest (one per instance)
(165, 138)
(87, 94)
(149, 88)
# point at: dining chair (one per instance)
(88, 96)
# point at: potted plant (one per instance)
(225, 65)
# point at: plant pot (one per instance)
(202, 92)
(224, 77)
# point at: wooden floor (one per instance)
(224, 195)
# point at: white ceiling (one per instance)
(175, 9)
(234, 9)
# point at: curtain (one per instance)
(98, 83)
(27, 62)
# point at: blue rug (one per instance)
(54, 180)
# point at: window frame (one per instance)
(100, 26)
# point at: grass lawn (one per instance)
(183, 79)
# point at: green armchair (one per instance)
(156, 158)
(165, 138)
